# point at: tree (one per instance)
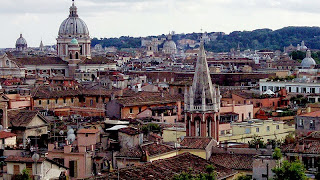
(256, 142)
(244, 177)
(24, 176)
(277, 154)
(290, 171)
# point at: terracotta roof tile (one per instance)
(167, 168)
(195, 142)
(149, 99)
(233, 161)
(130, 131)
(21, 118)
(21, 159)
(4, 134)
(311, 114)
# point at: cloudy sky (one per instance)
(40, 19)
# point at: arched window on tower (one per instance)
(197, 123)
(77, 55)
(70, 56)
(209, 122)
(81, 51)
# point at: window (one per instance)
(56, 101)
(64, 100)
(71, 100)
(87, 135)
(277, 127)
(97, 99)
(131, 110)
(249, 115)
(312, 90)
(39, 102)
(222, 132)
(7, 63)
(242, 115)
(297, 89)
(247, 130)
(91, 102)
(268, 128)
(70, 56)
(300, 122)
(48, 101)
(289, 89)
(312, 125)
(257, 129)
(140, 109)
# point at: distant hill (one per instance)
(256, 39)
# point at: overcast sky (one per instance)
(40, 19)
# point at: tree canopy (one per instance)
(290, 171)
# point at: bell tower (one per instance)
(202, 101)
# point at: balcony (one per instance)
(201, 108)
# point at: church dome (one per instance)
(308, 61)
(21, 41)
(73, 25)
(170, 45)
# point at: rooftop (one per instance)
(167, 168)
(195, 142)
(233, 161)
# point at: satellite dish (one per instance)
(1, 127)
(35, 157)
(61, 133)
(71, 138)
(70, 131)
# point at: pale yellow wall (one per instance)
(197, 152)
(240, 136)
(171, 135)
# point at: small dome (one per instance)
(74, 41)
(21, 41)
(308, 61)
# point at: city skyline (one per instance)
(38, 20)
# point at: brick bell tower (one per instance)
(202, 102)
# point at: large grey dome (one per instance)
(73, 25)
(308, 62)
(21, 41)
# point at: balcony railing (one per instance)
(200, 108)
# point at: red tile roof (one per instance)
(233, 161)
(130, 131)
(306, 145)
(311, 114)
(156, 148)
(167, 168)
(195, 142)
(21, 159)
(4, 134)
